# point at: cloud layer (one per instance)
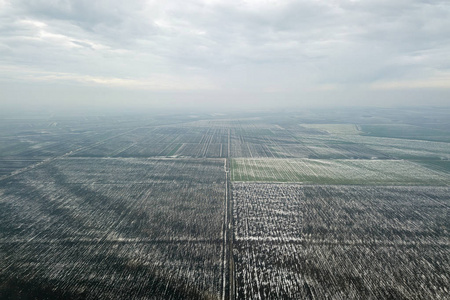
(295, 48)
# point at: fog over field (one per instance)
(211, 149)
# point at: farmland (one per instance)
(298, 271)
(175, 141)
(293, 205)
(99, 227)
(313, 171)
(297, 241)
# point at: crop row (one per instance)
(11, 164)
(114, 228)
(180, 140)
(112, 270)
(117, 198)
(311, 271)
(341, 214)
(341, 242)
(371, 172)
(210, 138)
(404, 148)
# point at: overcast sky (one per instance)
(213, 52)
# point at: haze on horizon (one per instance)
(219, 54)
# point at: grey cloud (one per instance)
(85, 13)
(289, 46)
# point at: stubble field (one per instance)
(299, 205)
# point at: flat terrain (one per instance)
(116, 228)
(308, 204)
(337, 171)
(296, 241)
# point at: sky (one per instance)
(224, 53)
